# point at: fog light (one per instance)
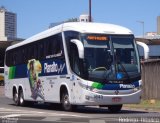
(135, 89)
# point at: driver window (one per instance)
(72, 51)
(73, 57)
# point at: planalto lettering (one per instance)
(54, 67)
(127, 86)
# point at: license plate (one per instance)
(116, 99)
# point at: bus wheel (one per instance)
(65, 102)
(114, 108)
(15, 98)
(21, 98)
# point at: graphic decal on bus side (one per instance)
(101, 86)
(49, 67)
(34, 69)
(37, 69)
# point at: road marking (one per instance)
(51, 119)
(97, 121)
(7, 110)
(9, 113)
(71, 115)
(10, 116)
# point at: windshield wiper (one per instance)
(124, 70)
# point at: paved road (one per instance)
(40, 113)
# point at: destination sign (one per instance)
(97, 38)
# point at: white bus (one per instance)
(74, 64)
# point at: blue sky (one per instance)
(34, 16)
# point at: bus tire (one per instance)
(114, 108)
(15, 98)
(21, 98)
(66, 105)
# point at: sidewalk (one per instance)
(145, 105)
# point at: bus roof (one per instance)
(82, 27)
(102, 28)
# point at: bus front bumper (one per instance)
(92, 98)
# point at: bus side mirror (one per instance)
(80, 47)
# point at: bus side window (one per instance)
(25, 58)
(48, 46)
(53, 45)
(59, 43)
(35, 53)
(31, 52)
(56, 45)
(8, 58)
(14, 57)
(41, 50)
(19, 56)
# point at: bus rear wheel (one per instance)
(21, 98)
(15, 98)
(114, 108)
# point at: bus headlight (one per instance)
(137, 89)
(83, 85)
(88, 87)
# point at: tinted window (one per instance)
(53, 45)
(49, 47)
(71, 35)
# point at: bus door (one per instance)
(77, 66)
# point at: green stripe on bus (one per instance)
(97, 85)
(12, 72)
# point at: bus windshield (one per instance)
(111, 58)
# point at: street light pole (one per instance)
(90, 13)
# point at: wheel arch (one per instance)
(64, 87)
(14, 89)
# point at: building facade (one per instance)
(8, 25)
(84, 18)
